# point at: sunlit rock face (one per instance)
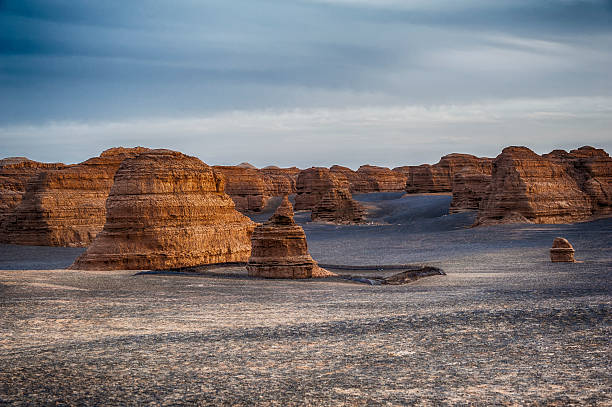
(469, 190)
(65, 207)
(279, 249)
(15, 173)
(246, 186)
(280, 181)
(526, 187)
(562, 251)
(168, 210)
(313, 184)
(439, 177)
(337, 206)
(592, 169)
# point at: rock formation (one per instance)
(167, 210)
(65, 207)
(338, 206)
(528, 187)
(246, 186)
(369, 178)
(280, 181)
(562, 251)
(312, 184)
(469, 189)
(439, 177)
(279, 248)
(15, 172)
(592, 170)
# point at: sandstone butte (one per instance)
(338, 206)
(15, 172)
(65, 207)
(369, 178)
(526, 187)
(245, 185)
(592, 170)
(279, 249)
(280, 181)
(562, 251)
(312, 184)
(168, 210)
(469, 189)
(435, 178)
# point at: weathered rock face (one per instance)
(562, 251)
(369, 178)
(439, 177)
(592, 170)
(15, 172)
(279, 248)
(469, 189)
(280, 181)
(313, 183)
(246, 186)
(338, 206)
(167, 210)
(528, 187)
(65, 207)
(382, 179)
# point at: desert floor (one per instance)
(503, 327)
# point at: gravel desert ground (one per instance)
(503, 327)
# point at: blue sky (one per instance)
(304, 82)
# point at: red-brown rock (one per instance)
(312, 184)
(469, 189)
(528, 187)
(246, 186)
(562, 251)
(15, 172)
(168, 210)
(338, 206)
(280, 181)
(65, 207)
(369, 178)
(279, 249)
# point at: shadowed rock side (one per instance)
(312, 184)
(562, 251)
(469, 189)
(246, 186)
(15, 172)
(279, 248)
(168, 210)
(439, 177)
(338, 206)
(526, 187)
(592, 170)
(65, 207)
(369, 178)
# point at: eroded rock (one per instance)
(562, 251)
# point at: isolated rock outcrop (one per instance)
(338, 206)
(528, 187)
(312, 184)
(469, 189)
(65, 207)
(279, 248)
(592, 169)
(168, 210)
(15, 172)
(562, 251)
(246, 186)
(439, 177)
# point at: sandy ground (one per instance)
(503, 327)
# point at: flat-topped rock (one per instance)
(562, 251)
(279, 248)
(313, 183)
(246, 186)
(469, 189)
(370, 178)
(337, 206)
(65, 207)
(168, 210)
(528, 187)
(280, 181)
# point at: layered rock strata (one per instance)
(369, 178)
(439, 177)
(280, 181)
(15, 172)
(313, 183)
(168, 210)
(528, 187)
(246, 186)
(279, 249)
(562, 251)
(469, 189)
(338, 206)
(65, 207)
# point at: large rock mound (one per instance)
(65, 207)
(15, 173)
(280, 181)
(338, 206)
(279, 248)
(369, 178)
(246, 186)
(168, 210)
(469, 189)
(312, 184)
(528, 187)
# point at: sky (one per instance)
(304, 82)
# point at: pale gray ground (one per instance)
(505, 326)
